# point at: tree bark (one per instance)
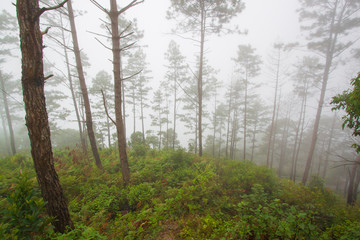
(28, 13)
(8, 117)
(79, 67)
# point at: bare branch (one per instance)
(128, 26)
(100, 7)
(98, 34)
(44, 9)
(132, 4)
(103, 44)
(124, 79)
(127, 35)
(46, 78)
(106, 110)
(127, 46)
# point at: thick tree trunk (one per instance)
(28, 13)
(89, 122)
(8, 117)
(114, 17)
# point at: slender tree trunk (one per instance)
(284, 142)
(329, 57)
(108, 131)
(245, 114)
(114, 16)
(274, 133)
(296, 137)
(5, 133)
(253, 138)
(274, 112)
(175, 112)
(200, 76)
(79, 67)
(328, 147)
(8, 117)
(142, 118)
(67, 62)
(134, 111)
(351, 193)
(28, 14)
(214, 132)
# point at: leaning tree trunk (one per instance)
(8, 117)
(67, 63)
(89, 123)
(28, 14)
(329, 58)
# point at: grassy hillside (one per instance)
(173, 195)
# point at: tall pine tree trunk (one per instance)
(200, 76)
(329, 57)
(114, 17)
(71, 86)
(28, 14)
(79, 67)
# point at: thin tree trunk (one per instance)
(114, 17)
(328, 147)
(245, 114)
(296, 137)
(329, 57)
(274, 112)
(28, 14)
(351, 194)
(5, 133)
(175, 112)
(253, 139)
(67, 62)
(274, 133)
(200, 76)
(8, 117)
(79, 67)
(142, 117)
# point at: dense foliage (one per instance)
(172, 195)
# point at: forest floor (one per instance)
(172, 195)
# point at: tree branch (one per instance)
(103, 44)
(124, 79)
(132, 4)
(44, 9)
(100, 7)
(106, 110)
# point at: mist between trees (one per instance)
(272, 109)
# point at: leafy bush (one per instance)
(81, 232)
(24, 215)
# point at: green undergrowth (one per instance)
(172, 195)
